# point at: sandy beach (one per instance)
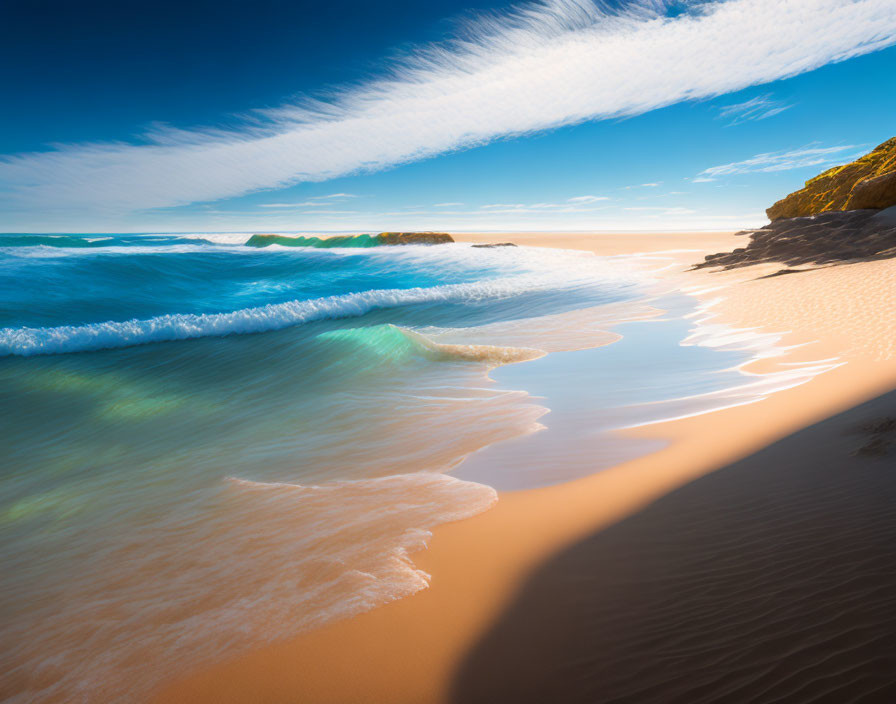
(453, 352)
(570, 593)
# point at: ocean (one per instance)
(208, 446)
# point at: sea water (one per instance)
(207, 446)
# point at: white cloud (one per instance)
(586, 199)
(315, 201)
(447, 205)
(571, 205)
(304, 204)
(540, 66)
(758, 108)
(663, 210)
(780, 161)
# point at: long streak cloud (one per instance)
(537, 67)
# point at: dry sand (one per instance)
(601, 589)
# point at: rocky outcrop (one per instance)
(867, 182)
(876, 192)
(350, 241)
(391, 238)
(819, 239)
(845, 213)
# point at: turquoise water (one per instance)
(209, 445)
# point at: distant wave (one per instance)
(99, 241)
(62, 339)
(390, 342)
(94, 241)
(53, 241)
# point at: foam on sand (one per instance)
(274, 559)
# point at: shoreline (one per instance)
(410, 650)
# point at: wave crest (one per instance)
(390, 342)
(63, 339)
(66, 241)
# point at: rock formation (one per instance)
(414, 238)
(350, 241)
(867, 182)
(845, 213)
(819, 239)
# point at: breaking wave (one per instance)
(393, 343)
(27, 341)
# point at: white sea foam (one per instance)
(266, 561)
(39, 251)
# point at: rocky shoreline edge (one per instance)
(846, 213)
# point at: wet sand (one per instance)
(600, 589)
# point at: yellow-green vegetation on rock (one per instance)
(414, 238)
(350, 241)
(867, 182)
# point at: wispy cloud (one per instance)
(578, 204)
(780, 161)
(539, 66)
(586, 199)
(315, 201)
(325, 211)
(303, 204)
(758, 108)
(663, 210)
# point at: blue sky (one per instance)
(295, 116)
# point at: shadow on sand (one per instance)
(771, 580)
